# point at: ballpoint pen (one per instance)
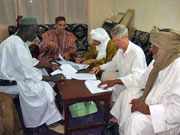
(132, 102)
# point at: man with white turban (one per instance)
(102, 49)
(128, 62)
(154, 110)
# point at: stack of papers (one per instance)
(74, 65)
(84, 76)
(92, 86)
(67, 71)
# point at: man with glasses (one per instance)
(128, 62)
(153, 108)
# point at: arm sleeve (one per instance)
(166, 114)
(138, 67)
(110, 53)
(112, 65)
(22, 67)
(71, 43)
(46, 39)
(91, 53)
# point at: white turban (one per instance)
(102, 36)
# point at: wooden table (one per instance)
(73, 91)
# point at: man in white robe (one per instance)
(128, 61)
(156, 109)
(36, 95)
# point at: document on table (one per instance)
(67, 70)
(84, 76)
(92, 86)
(75, 65)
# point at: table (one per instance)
(73, 91)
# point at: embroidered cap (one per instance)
(28, 21)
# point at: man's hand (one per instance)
(48, 65)
(89, 61)
(110, 78)
(107, 84)
(58, 77)
(36, 42)
(95, 70)
(79, 60)
(54, 67)
(140, 106)
(52, 45)
(66, 56)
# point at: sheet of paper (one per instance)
(92, 86)
(74, 65)
(78, 66)
(84, 76)
(58, 71)
(60, 57)
(67, 70)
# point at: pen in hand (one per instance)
(132, 102)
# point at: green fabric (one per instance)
(110, 53)
(28, 21)
(83, 109)
(92, 54)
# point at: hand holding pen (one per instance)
(140, 106)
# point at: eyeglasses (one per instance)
(116, 40)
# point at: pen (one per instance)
(57, 63)
(132, 102)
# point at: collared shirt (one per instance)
(128, 64)
(66, 43)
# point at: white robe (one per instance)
(163, 101)
(128, 64)
(36, 96)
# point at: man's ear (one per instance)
(126, 36)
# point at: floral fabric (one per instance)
(66, 43)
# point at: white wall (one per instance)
(163, 13)
(98, 11)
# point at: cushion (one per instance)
(79, 30)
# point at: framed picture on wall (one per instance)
(127, 17)
(118, 18)
(115, 18)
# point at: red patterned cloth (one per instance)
(66, 43)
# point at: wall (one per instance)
(163, 13)
(98, 11)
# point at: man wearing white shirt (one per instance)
(154, 110)
(128, 62)
(35, 93)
